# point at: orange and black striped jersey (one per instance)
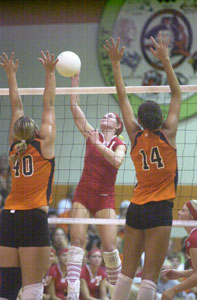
(155, 163)
(32, 179)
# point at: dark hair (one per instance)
(150, 115)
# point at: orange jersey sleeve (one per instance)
(32, 179)
(155, 162)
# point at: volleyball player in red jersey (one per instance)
(24, 235)
(188, 212)
(149, 216)
(93, 278)
(94, 195)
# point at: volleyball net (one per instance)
(70, 144)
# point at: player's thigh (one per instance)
(156, 245)
(133, 247)
(79, 211)
(78, 231)
(9, 257)
(34, 263)
(108, 233)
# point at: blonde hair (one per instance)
(25, 129)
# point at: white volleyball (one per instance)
(68, 64)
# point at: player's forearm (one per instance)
(119, 82)
(75, 107)
(15, 98)
(172, 79)
(49, 91)
(110, 155)
(74, 100)
(186, 273)
(186, 284)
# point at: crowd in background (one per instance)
(94, 283)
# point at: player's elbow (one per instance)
(117, 162)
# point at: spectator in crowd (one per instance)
(170, 250)
(93, 239)
(93, 280)
(122, 215)
(176, 262)
(64, 207)
(52, 214)
(188, 212)
(123, 209)
(164, 283)
(47, 279)
(57, 288)
(59, 239)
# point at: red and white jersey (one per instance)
(99, 175)
(191, 242)
(61, 282)
(93, 283)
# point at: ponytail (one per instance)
(19, 149)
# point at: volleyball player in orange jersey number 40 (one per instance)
(94, 195)
(24, 235)
(149, 216)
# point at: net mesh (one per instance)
(70, 146)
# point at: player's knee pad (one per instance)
(33, 292)
(148, 284)
(75, 255)
(11, 282)
(147, 290)
(73, 290)
(112, 259)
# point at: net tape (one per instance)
(101, 90)
(97, 221)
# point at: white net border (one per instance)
(96, 221)
(102, 90)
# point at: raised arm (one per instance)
(161, 52)
(48, 124)
(115, 158)
(115, 55)
(78, 115)
(11, 68)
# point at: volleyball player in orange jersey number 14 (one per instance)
(24, 235)
(94, 195)
(149, 216)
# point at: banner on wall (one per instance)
(135, 21)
